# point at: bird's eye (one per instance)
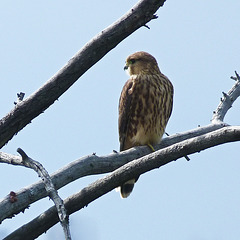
(132, 61)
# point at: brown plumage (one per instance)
(145, 106)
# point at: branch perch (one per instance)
(93, 164)
(88, 165)
(144, 164)
(171, 148)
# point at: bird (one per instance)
(145, 106)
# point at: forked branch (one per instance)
(51, 191)
(90, 165)
(227, 101)
(85, 166)
(100, 187)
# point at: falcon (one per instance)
(145, 106)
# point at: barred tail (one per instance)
(127, 188)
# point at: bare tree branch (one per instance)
(93, 164)
(91, 53)
(170, 149)
(130, 170)
(227, 101)
(50, 189)
(88, 165)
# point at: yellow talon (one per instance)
(152, 148)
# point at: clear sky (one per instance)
(197, 46)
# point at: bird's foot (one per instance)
(151, 147)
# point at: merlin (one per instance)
(145, 106)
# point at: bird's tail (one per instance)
(127, 188)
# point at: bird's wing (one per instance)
(170, 98)
(124, 113)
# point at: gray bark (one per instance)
(130, 170)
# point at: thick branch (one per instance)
(84, 166)
(91, 53)
(154, 160)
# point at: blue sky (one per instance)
(197, 46)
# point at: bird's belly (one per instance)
(144, 136)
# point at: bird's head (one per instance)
(141, 63)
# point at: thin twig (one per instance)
(227, 101)
(20, 97)
(237, 78)
(52, 192)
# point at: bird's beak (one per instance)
(125, 67)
